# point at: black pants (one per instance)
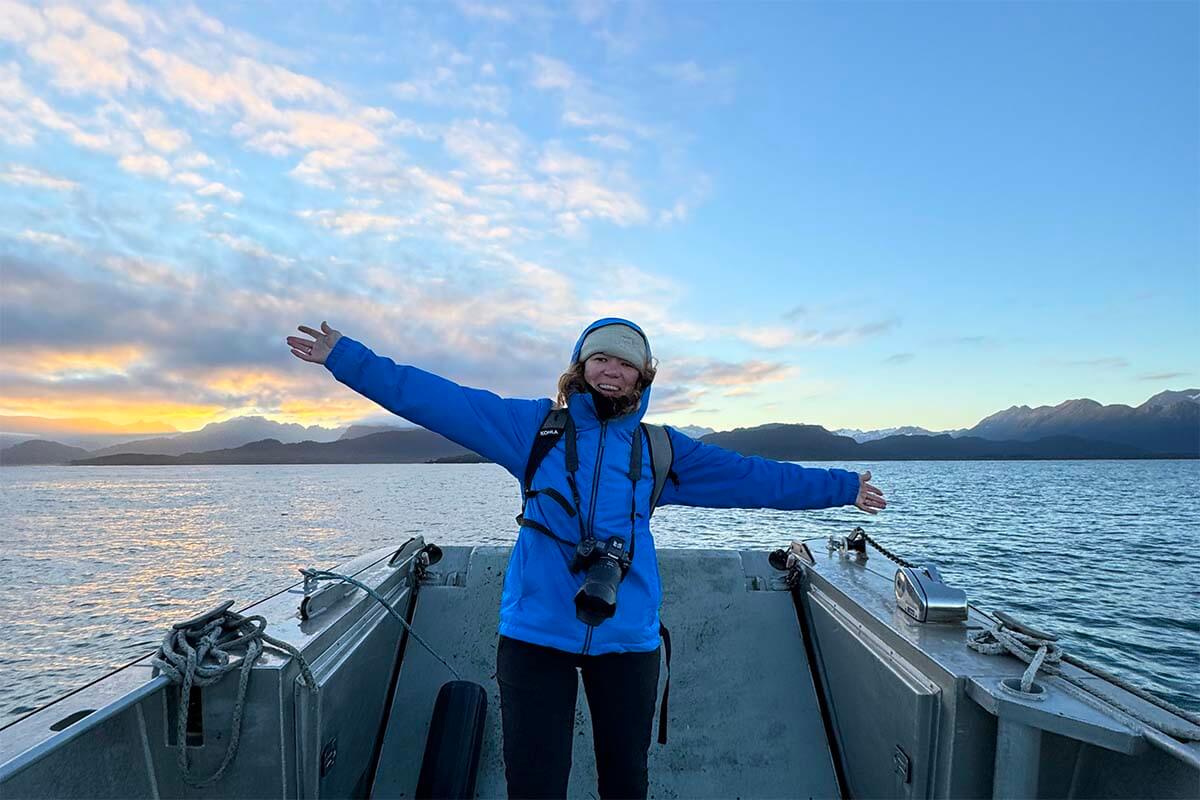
(537, 702)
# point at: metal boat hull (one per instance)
(811, 687)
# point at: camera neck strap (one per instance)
(559, 425)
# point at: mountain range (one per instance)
(1166, 425)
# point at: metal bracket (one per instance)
(328, 756)
(902, 764)
(852, 546)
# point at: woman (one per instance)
(600, 492)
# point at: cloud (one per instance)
(349, 223)
(21, 175)
(716, 82)
(248, 246)
(1162, 376)
(26, 112)
(149, 275)
(194, 160)
(590, 11)
(768, 337)
(125, 14)
(155, 131)
(693, 378)
(556, 160)
(610, 141)
(194, 212)
(213, 188)
(189, 179)
(899, 358)
(490, 149)
(97, 59)
(840, 337)
(580, 117)
(20, 23)
(795, 314)
(189, 100)
(50, 240)
(667, 399)
(484, 11)
(708, 372)
(151, 165)
(444, 87)
(700, 188)
(65, 364)
(1110, 362)
(552, 74)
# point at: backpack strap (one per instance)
(662, 707)
(556, 424)
(662, 456)
(553, 427)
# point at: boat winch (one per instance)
(923, 595)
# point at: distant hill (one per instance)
(1169, 422)
(414, 446)
(870, 436)
(9, 439)
(945, 447)
(39, 452)
(694, 431)
(465, 458)
(357, 431)
(814, 443)
(224, 435)
(785, 442)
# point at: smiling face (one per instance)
(611, 377)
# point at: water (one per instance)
(98, 561)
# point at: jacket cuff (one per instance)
(335, 355)
(852, 483)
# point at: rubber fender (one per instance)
(455, 742)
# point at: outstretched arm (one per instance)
(497, 428)
(714, 477)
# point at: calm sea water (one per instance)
(98, 561)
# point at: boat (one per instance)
(819, 670)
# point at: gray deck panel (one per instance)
(723, 741)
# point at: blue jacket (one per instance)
(537, 604)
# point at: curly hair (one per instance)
(572, 382)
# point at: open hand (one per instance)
(316, 349)
(869, 499)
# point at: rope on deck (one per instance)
(1043, 654)
(199, 652)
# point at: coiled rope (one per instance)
(198, 653)
(1044, 655)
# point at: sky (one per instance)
(857, 215)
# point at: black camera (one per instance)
(606, 564)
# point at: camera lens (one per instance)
(596, 600)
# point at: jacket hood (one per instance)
(583, 400)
